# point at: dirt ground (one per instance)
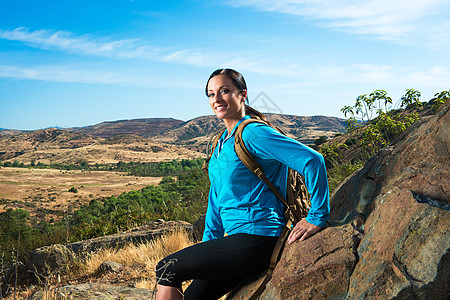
(45, 192)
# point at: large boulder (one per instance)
(403, 193)
(42, 263)
(49, 259)
(405, 251)
(320, 266)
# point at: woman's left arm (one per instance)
(268, 143)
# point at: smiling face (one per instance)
(227, 102)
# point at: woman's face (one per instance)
(227, 102)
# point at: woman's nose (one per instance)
(217, 97)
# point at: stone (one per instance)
(49, 259)
(136, 235)
(320, 265)
(109, 266)
(98, 291)
(199, 228)
(404, 251)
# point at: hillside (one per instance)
(62, 146)
(143, 140)
(4, 131)
(195, 133)
(353, 152)
(141, 127)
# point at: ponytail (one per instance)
(253, 112)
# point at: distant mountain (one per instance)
(141, 127)
(144, 139)
(4, 131)
(194, 134)
(62, 146)
(197, 130)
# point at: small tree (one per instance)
(440, 98)
(379, 131)
(411, 99)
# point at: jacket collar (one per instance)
(225, 135)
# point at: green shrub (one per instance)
(73, 190)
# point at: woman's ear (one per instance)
(244, 95)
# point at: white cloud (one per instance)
(62, 74)
(136, 49)
(386, 19)
(436, 76)
(84, 44)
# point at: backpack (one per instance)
(297, 201)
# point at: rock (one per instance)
(109, 266)
(402, 193)
(96, 291)
(405, 251)
(42, 263)
(136, 235)
(46, 260)
(199, 228)
(319, 267)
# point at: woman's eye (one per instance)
(210, 95)
(224, 91)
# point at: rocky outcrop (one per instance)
(318, 268)
(141, 234)
(403, 193)
(97, 291)
(56, 258)
(49, 259)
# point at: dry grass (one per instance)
(141, 259)
(138, 265)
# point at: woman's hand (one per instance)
(302, 230)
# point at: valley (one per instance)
(45, 192)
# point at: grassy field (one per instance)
(45, 192)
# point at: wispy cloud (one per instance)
(385, 19)
(62, 74)
(136, 49)
(80, 74)
(84, 44)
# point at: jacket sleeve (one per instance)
(267, 143)
(213, 223)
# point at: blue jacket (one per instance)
(240, 202)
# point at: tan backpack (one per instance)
(297, 200)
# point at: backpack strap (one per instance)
(250, 162)
(212, 144)
(278, 249)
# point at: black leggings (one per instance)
(217, 265)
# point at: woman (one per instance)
(241, 205)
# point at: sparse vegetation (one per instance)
(73, 190)
(153, 169)
(440, 98)
(143, 257)
(373, 123)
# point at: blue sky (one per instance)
(76, 63)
